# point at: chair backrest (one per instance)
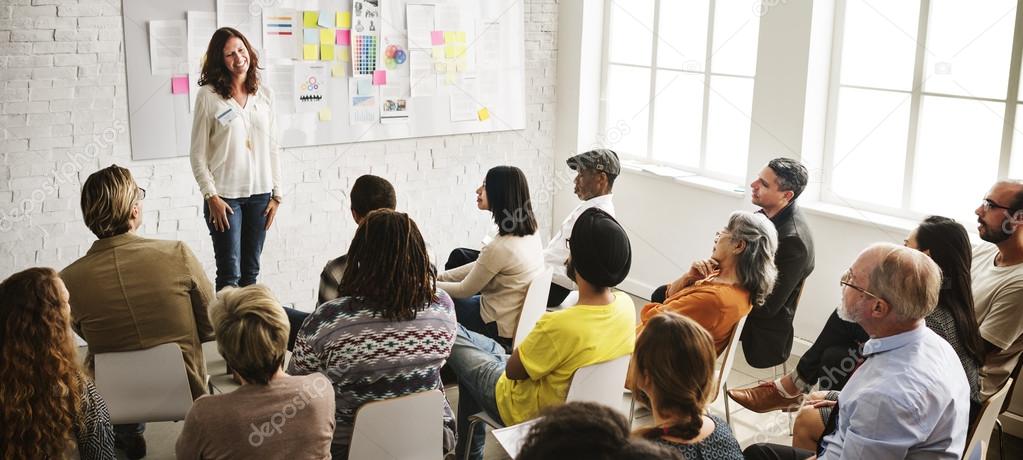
(144, 385)
(535, 305)
(602, 383)
(729, 357)
(989, 411)
(410, 427)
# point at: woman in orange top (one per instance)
(718, 292)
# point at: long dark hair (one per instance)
(677, 356)
(388, 266)
(508, 197)
(214, 70)
(40, 381)
(950, 248)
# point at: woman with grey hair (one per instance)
(719, 291)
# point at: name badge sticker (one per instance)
(226, 116)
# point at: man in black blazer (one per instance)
(767, 337)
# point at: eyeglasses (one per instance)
(847, 281)
(988, 205)
(141, 193)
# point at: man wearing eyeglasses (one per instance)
(997, 274)
(904, 401)
(132, 293)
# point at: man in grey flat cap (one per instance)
(596, 171)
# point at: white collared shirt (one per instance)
(235, 150)
(557, 251)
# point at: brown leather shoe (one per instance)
(765, 398)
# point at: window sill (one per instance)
(887, 223)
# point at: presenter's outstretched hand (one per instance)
(218, 213)
(270, 212)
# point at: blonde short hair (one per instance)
(107, 199)
(252, 331)
(907, 279)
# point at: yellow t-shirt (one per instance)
(562, 342)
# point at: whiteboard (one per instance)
(160, 122)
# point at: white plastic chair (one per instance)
(535, 304)
(726, 366)
(989, 411)
(600, 383)
(142, 386)
(978, 453)
(410, 427)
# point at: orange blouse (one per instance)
(716, 307)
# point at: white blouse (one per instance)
(235, 150)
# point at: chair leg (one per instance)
(468, 441)
(728, 414)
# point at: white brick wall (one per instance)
(63, 111)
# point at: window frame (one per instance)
(647, 157)
(916, 93)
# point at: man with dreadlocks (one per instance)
(390, 331)
(515, 388)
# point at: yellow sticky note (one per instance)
(344, 20)
(459, 37)
(454, 51)
(483, 114)
(310, 18)
(438, 52)
(460, 64)
(440, 66)
(326, 115)
(449, 37)
(326, 52)
(327, 36)
(346, 55)
(310, 52)
(338, 70)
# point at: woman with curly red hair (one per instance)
(235, 156)
(48, 407)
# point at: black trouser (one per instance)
(660, 294)
(834, 356)
(461, 256)
(765, 451)
(556, 295)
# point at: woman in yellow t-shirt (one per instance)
(719, 291)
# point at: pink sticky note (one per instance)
(344, 37)
(437, 37)
(179, 85)
(379, 77)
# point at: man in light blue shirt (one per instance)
(910, 398)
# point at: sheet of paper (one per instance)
(238, 14)
(311, 87)
(366, 18)
(420, 24)
(179, 84)
(363, 109)
(201, 25)
(281, 80)
(167, 47)
(326, 19)
(511, 438)
(423, 79)
(280, 34)
(394, 101)
(464, 94)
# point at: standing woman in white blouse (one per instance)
(235, 156)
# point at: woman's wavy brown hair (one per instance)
(214, 70)
(40, 380)
(676, 356)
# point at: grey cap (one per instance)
(605, 160)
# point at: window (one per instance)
(922, 113)
(678, 82)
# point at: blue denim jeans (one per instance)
(237, 249)
(478, 361)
